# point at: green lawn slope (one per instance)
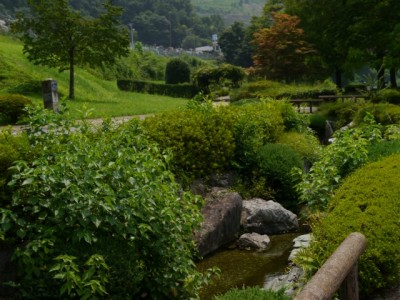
(18, 75)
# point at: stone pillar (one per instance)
(50, 94)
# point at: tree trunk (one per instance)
(71, 74)
(393, 82)
(338, 77)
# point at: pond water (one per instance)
(246, 268)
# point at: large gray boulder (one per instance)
(267, 217)
(221, 224)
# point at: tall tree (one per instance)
(281, 51)
(58, 36)
(235, 45)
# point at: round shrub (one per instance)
(202, 142)
(340, 112)
(177, 71)
(103, 215)
(317, 124)
(304, 144)
(388, 95)
(384, 113)
(367, 202)
(275, 163)
(12, 106)
(381, 150)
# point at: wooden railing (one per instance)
(338, 273)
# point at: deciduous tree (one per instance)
(58, 36)
(281, 51)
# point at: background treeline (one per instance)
(167, 23)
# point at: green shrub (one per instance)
(101, 214)
(177, 71)
(342, 113)
(254, 126)
(388, 95)
(12, 148)
(318, 124)
(183, 90)
(27, 87)
(12, 106)
(381, 150)
(305, 144)
(201, 138)
(367, 202)
(252, 293)
(384, 113)
(275, 163)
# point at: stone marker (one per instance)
(50, 94)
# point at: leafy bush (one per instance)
(388, 95)
(347, 152)
(12, 106)
(381, 150)
(12, 148)
(252, 293)
(183, 90)
(305, 144)
(384, 113)
(342, 113)
(318, 124)
(201, 138)
(99, 212)
(275, 163)
(272, 89)
(177, 71)
(366, 202)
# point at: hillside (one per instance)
(18, 75)
(229, 10)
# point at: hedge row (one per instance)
(183, 90)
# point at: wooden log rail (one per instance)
(342, 97)
(338, 273)
(310, 102)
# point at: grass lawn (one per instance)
(91, 92)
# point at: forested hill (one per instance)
(160, 22)
(230, 10)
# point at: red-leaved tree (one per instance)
(281, 50)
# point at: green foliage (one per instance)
(366, 202)
(387, 95)
(12, 149)
(255, 125)
(252, 293)
(177, 71)
(12, 107)
(58, 36)
(318, 125)
(306, 144)
(384, 113)
(182, 90)
(200, 137)
(273, 89)
(381, 150)
(204, 77)
(342, 113)
(347, 152)
(275, 163)
(99, 191)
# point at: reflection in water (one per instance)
(246, 268)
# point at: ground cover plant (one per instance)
(98, 214)
(253, 293)
(366, 202)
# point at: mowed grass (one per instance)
(101, 96)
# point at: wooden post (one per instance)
(341, 265)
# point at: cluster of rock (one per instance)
(226, 214)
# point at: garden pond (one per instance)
(246, 268)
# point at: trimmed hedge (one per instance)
(367, 202)
(384, 113)
(183, 90)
